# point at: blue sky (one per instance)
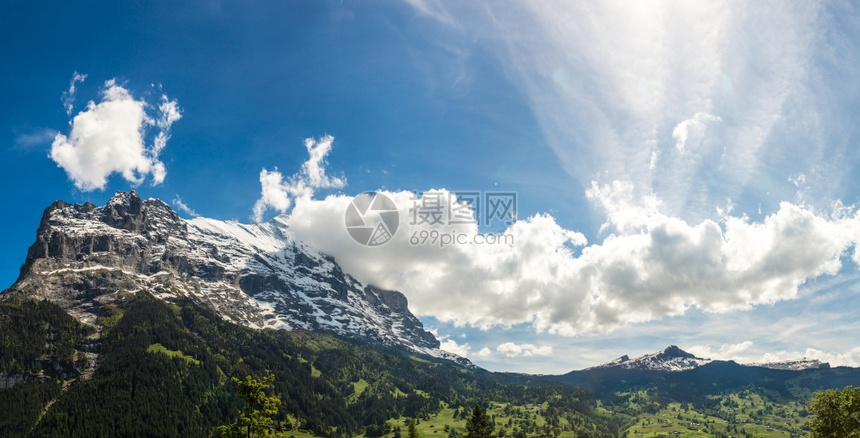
(685, 171)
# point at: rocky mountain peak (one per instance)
(75, 232)
(258, 275)
(125, 210)
(673, 351)
(672, 358)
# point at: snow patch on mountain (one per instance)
(671, 359)
(256, 275)
(793, 365)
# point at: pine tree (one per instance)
(479, 424)
(255, 419)
(413, 431)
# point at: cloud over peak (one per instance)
(647, 266)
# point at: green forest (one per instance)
(152, 368)
(165, 369)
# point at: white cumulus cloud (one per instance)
(511, 349)
(648, 265)
(724, 352)
(484, 353)
(110, 137)
(452, 346)
(278, 194)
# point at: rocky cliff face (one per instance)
(86, 257)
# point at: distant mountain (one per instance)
(794, 365)
(671, 358)
(86, 257)
(683, 376)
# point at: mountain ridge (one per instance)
(792, 364)
(257, 275)
(674, 359)
(698, 382)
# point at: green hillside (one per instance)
(150, 368)
(163, 371)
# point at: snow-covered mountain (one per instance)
(671, 358)
(258, 275)
(794, 365)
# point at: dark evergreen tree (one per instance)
(479, 425)
(413, 431)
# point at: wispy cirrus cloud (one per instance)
(36, 138)
(621, 90)
(69, 95)
(178, 203)
(692, 130)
